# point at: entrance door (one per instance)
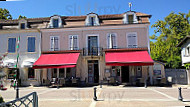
(125, 73)
(93, 71)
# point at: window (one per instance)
(22, 26)
(111, 41)
(92, 20)
(132, 40)
(61, 72)
(54, 42)
(188, 51)
(73, 42)
(31, 44)
(130, 19)
(11, 45)
(31, 73)
(54, 73)
(11, 73)
(92, 45)
(55, 23)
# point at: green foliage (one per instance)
(22, 17)
(187, 66)
(171, 31)
(4, 14)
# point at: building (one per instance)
(29, 51)
(93, 48)
(185, 54)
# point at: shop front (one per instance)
(129, 68)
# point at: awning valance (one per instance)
(133, 58)
(65, 60)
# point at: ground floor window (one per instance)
(11, 73)
(31, 73)
(61, 72)
(54, 75)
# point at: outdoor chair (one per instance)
(112, 80)
(74, 81)
(163, 81)
(54, 82)
(62, 82)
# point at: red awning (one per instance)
(133, 58)
(66, 60)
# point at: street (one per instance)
(108, 96)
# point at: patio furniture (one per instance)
(112, 81)
(74, 81)
(54, 82)
(62, 82)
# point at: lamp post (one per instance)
(17, 71)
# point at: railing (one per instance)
(93, 51)
(26, 101)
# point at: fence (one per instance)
(179, 76)
(30, 100)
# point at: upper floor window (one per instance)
(22, 23)
(55, 22)
(11, 45)
(73, 40)
(54, 43)
(22, 26)
(132, 40)
(92, 20)
(188, 51)
(31, 44)
(130, 17)
(111, 38)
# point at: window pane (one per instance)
(31, 73)
(55, 23)
(22, 25)
(31, 44)
(130, 18)
(12, 45)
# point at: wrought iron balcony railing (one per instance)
(93, 51)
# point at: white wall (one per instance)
(185, 59)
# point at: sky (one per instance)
(46, 8)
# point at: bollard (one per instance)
(95, 97)
(180, 95)
(145, 84)
(101, 84)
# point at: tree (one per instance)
(22, 17)
(170, 32)
(5, 14)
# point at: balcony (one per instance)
(93, 51)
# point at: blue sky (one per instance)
(45, 8)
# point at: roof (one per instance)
(183, 41)
(72, 18)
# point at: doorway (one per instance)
(93, 71)
(125, 74)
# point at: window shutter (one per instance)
(132, 40)
(56, 43)
(11, 44)
(75, 43)
(114, 41)
(70, 41)
(108, 39)
(52, 43)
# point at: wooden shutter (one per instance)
(132, 40)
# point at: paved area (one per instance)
(108, 96)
